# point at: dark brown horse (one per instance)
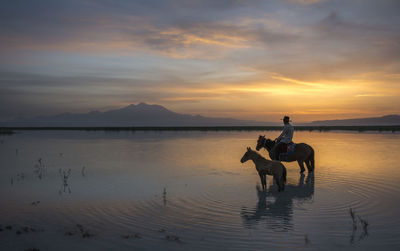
(303, 153)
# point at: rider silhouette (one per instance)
(285, 137)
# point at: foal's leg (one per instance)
(302, 169)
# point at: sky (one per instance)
(244, 59)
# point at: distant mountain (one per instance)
(138, 115)
(385, 120)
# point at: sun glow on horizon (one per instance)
(245, 60)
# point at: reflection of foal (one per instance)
(264, 167)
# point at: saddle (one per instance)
(285, 150)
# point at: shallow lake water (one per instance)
(65, 190)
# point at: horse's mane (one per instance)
(268, 143)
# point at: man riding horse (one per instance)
(284, 139)
(302, 153)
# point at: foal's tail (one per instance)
(311, 159)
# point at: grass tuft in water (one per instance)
(363, 223)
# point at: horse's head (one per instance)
(264, 142)
(260, 142)
(246, 155)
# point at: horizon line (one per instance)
(321, 128)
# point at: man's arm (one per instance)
(283, 134)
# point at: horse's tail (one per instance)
(311, 159)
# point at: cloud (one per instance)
(306, 2)
(167, 29)
(203, 53)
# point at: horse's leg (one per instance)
(308, 164)
(301, 180)
(262, 180)
(265, 181)
(302, 169)
(278, 182)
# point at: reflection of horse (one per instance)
(277, 208)
(265, 167)
(302, 153)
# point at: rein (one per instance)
(264, 144)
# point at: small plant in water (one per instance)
(85, 232)
(40, 168)
(83, 171)
(364, 224)
(353, 217)
(306, 240)
(19, 177)
(165, 196)
(127, 236)
(35, 203)
(64, 174)
(173, 238)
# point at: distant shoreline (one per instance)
(395, 128)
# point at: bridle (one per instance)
(263, 144)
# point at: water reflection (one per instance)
(121, 180)
(275, 208)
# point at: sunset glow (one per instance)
(258, 60)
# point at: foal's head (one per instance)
(247, 155)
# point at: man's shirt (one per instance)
(287, 134)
